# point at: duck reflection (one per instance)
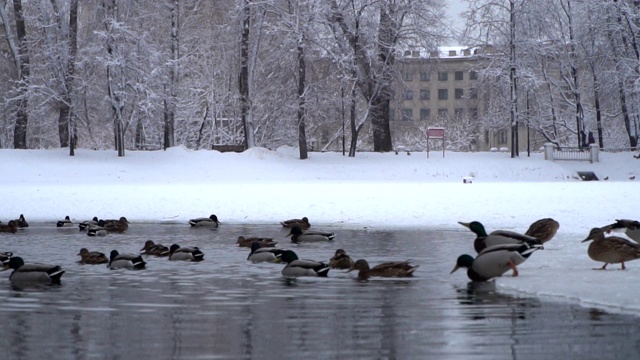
(485, 301)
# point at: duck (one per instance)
(64, 223)
(98, 229)
(386, 269)
(495, 260)
(92, 257)
(33, 273)
(631, 228)
(260, 253)
(297, 268)
(151, 248)
(248, 241)
(10, 227)
(185, 253)
(21, 222)
(298, 235)
(498, 237)
(83, 226)
(5, 257)
(543, 229)
(211, 221)
(116, 226)
(125, 261)
(341, 260)
(611, 249)
(303, 223)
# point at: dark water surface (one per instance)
(227, 308)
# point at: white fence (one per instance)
(591, 154)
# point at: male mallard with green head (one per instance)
(66, 222)
(21, 222)
(83, 226)
(611, 250)
(188, 253)
(631, 228)
(125, 261)
(98, 229)
(495, 260)
(260, 253)
(211, 221)
(298, 235)
(27, 274)
(341, 260)
(297, 268)
(92, 257)
(498, 237)
(385, 269)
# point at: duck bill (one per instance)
(455, 268)
(467, 225)
(585, 240)
(5, 267)
(289, 234)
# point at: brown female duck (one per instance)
(611, 250)
(248, 241)
(117, 226)
(10, 227)
(386, 269)
(302, 223)
(151, 248)
(341, 260)
(92, 257)
(543, 229)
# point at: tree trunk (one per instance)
(22, 118)
(382, 98)
(243, 83)
(515, 151)
(171, 105)
(302, 135)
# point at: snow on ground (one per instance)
(372, 190)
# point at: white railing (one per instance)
(591, 154)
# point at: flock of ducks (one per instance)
(501, 250)
(261, 250)
(497, 252)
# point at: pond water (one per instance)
(228, 308)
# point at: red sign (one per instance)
(435, 133)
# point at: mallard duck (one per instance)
(298, 236)
(5, 257)
(185, 253)
(341, 260)
(498, 237)
(125, 261)
(33, 273)
(303, 223)
(611, 250)
(260, 253)
(386, 269)
(116, 226)
(83, 226)
(211, 221)
(631, 228)
(296, 267)
(248, 241)
(98, 229)
(495, 260)
(92, 257)
(543, 229)
(21, 222)
(64, 223)
(151, 248)
(9, 227)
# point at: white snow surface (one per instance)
(371, 190)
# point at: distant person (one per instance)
(584, 139)
(592, 140)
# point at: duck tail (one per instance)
(323, 270)
(138, 263)
(55, 274)
(197, 255)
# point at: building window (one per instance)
(443, 113)
(407, 114)
(425, 94)
(408, 95)
(425, 76)
(442, 76)
(425, 114)
(473, 113)
(473, 93)
(459, 112)
(459, 75)
(502, 136)
(473, 75)
(459, 94)
(407, 76)
(443, 94)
